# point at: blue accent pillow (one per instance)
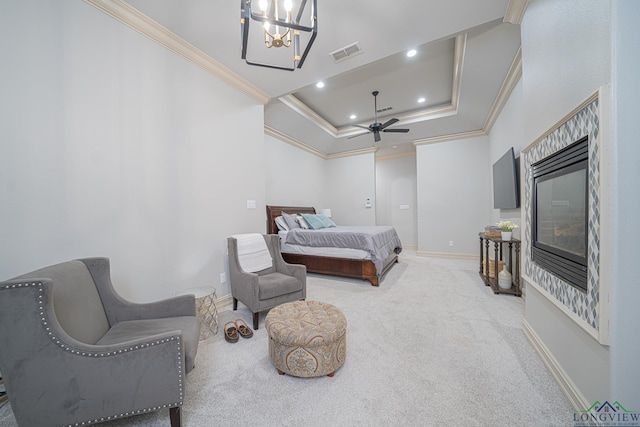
(326, 221)
(314, 222)
(318, 221)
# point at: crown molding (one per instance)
(371, 150)
(515, 11)
(146, 26)
(396, 156)
(292, 141)
(305, 111)
(298, 144)
(513, 77)
(451, 137)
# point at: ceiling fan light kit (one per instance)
(376, 127)
(282, 35)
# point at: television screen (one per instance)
(506, 192)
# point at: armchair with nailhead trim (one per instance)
(73, 352)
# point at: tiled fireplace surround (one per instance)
(583, 307)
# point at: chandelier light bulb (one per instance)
(288, 5)
(267, 26)
(263, 5)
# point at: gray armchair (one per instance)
(73, 352)
(263, 290)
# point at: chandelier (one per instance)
(283, 38)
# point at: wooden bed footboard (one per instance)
(343, 267)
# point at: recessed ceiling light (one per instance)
(411, 53)
(320, 85)
(353, 116)
(421, 99)
(394, 146)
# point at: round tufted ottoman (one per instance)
(307, 338)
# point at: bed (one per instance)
(342, 262)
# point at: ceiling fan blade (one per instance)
(389, 123)
(363, 127)
(376, 136)
(396, 130)
(360, 134)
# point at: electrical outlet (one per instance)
(450, 242)
(223, 278)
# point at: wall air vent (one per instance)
(346, 52)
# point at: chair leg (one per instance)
(175, 415)
(256, 321)
(235, 304)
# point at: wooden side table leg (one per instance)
(486, 262)
(496, 264)
(481, 257)
(516, 277)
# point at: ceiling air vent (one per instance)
(382, 110)
(346, 52)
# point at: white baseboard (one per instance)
(224, 303)
(447, 255)
(567, 386)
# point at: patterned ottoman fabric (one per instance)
(307, 338)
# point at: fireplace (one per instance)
(560, 213)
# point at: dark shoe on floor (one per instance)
(230, 332)
(243, 329)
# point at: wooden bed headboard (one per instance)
(276, 211)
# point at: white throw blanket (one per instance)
(253, 253)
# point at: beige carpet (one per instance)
(432, 346)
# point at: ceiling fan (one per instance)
(376, 127)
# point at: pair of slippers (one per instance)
(233, 329)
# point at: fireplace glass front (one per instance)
(560, 214)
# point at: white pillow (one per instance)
(302, 222)
(281, 224)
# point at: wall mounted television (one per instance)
(506, 182)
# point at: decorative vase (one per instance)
(506, 235)
(504, 278)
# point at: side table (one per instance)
(485, 263)
(205, 309)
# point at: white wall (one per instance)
(566, 50)
(507, 132)
(566, 57)
(396, 186)
(625, 347)
(293, 177)
(349, 181)
(110, 145)
(454, 195)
